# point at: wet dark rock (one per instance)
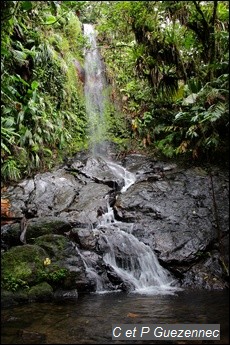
(66, 294)
(10, 235)
(180, 213)
(84, 237)
(46, 225)
(97, 170)
(40, 292)
(29, 337)
(207, 274)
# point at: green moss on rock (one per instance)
(54, 245)
(42, 291)
(20, 265)
(45, 226)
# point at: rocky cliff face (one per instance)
(180, 214)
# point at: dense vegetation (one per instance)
(43, 113)
(166, 64)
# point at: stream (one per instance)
(161, 213)
(89, 319)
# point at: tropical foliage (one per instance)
(43, 114)
(166, 67)
(168, 63)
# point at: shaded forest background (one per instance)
(166, 64)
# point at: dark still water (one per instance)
(89, 319)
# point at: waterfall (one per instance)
(137, 264)
(90, 271)
(119, 171)
(95, 93)
(133, 262)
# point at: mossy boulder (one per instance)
(67, 269)
(41, 292)
(57, 246)
(9, 298)
(23, 272)
(20, 266)
(52, 259)
(45, 226)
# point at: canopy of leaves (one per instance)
(157, 54)
(43, 112)
(166, 67)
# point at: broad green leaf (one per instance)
(5, 148)
(50, 19)
(34, 85)
(26, 5)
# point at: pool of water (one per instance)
(89, 319)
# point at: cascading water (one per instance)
(95, 92)
(140, 268)
(131, 260)
(119, 171)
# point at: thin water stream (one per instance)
(153, 298)
(132, 261)
(95, 92)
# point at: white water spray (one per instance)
(90, 271)
(119, 171)
(132, 261)
(140, 268)
(95, 92)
